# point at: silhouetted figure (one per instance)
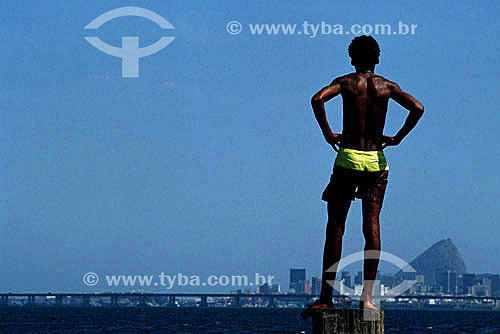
(360, 168)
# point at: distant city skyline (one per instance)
(448, 281)
(434, 273)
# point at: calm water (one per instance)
(223, 320)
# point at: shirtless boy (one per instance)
(360, 168)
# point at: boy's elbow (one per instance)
(315, 100)
(419, 109)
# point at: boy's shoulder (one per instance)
(354, 75)
(375, 78)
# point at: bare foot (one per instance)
(366, 304)
(319, 304)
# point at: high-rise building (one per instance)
(468, 281)
(316, 285)
(388, 280)
(479, 290)
(263, 288)
(441, 278)
(486, 282)
(298, 280)
(409, 275)
(307, 287)
(494, 282)
(346, 277)
(452, 282)
(297, 274)
(358, 279)
(446, 280)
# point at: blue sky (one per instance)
(211, 162)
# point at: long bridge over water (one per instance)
(236, 298)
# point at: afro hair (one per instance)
(364, 50)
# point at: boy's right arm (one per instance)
(318, 104)
(415, 108)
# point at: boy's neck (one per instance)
(364, 69)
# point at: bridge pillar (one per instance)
(114, 300)
(31, 300)
(86, 300)
(59, 300)
(203, 302)
(142, 301)
(271, 302)
(171, 300)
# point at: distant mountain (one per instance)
(442, 255)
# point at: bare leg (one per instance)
(337, 214)
(371, 232)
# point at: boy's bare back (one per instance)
(365, 98)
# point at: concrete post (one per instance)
(353, 321)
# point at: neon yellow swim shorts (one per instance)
(370, 161)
